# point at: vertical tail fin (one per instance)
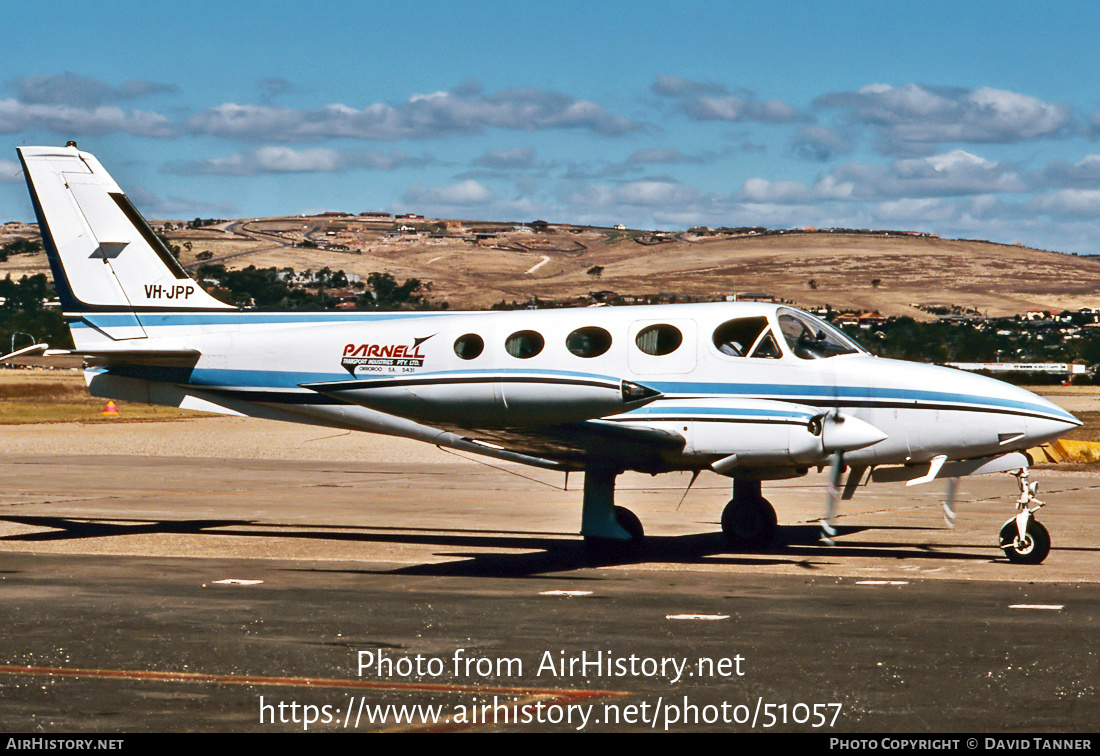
(103, 254)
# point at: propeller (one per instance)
(949, 502)
(832, 431)
(832, 495)
(841, 433)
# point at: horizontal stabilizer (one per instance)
(40, 355)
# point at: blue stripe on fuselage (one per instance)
(156, 318)
(838, 395)
(799, 394)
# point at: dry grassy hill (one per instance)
(473, 264)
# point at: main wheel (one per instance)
(749, 524)
(1034, 547)
(629, 522)
(602, 549)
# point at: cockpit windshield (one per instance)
(813, 339)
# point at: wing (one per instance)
(575, 445)
(552, 416)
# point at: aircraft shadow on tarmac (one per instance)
(796, 545)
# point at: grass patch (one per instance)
(88, 411)
(62, 397)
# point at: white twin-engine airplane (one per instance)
(748, 390)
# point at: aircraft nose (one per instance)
(1042, 429)
(1046, 421)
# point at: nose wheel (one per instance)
(1023, 539)
(1030, 548)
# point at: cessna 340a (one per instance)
(748, 390)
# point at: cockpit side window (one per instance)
(746, 337)
(767, 348)
(813, 339)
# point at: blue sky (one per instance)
(968, 119)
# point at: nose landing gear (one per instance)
(1023, 539)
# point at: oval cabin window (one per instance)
(588, 342)
(525, 344)
(469, 346)
(659, 340)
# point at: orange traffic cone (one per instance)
(110, 410)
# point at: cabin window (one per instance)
(746, 337)
(525, 344)
(588, 342)
(659, 340)
(813, 339)
(469, 346)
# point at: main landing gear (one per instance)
(1023, 539)
(748, 521)
(609, 531)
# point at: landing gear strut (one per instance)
(748, 521)
(1023, 539)
(608, 530)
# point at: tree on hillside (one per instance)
(386, 294)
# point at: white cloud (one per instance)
(955, 173)
(71, 120)
(520, 157)
(1069, 203)
(731, 108)
(673, 86)
(913, 117)
(759, 190)
(467, 192)
(10, 172)
(819, 143)
(80, 91)
(908, 210)
(154, 207)
(1084, 174)
(647, 193)
(278, 159)
(665, 155)
(421, 116)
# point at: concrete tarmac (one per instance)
(232, 575)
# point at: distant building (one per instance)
(871, 320)
(1042, 314)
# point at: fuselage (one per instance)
(746, 378)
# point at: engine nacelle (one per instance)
(491, 399)
(758, 433)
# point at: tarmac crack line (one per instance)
(525, 697)
(304, 682)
